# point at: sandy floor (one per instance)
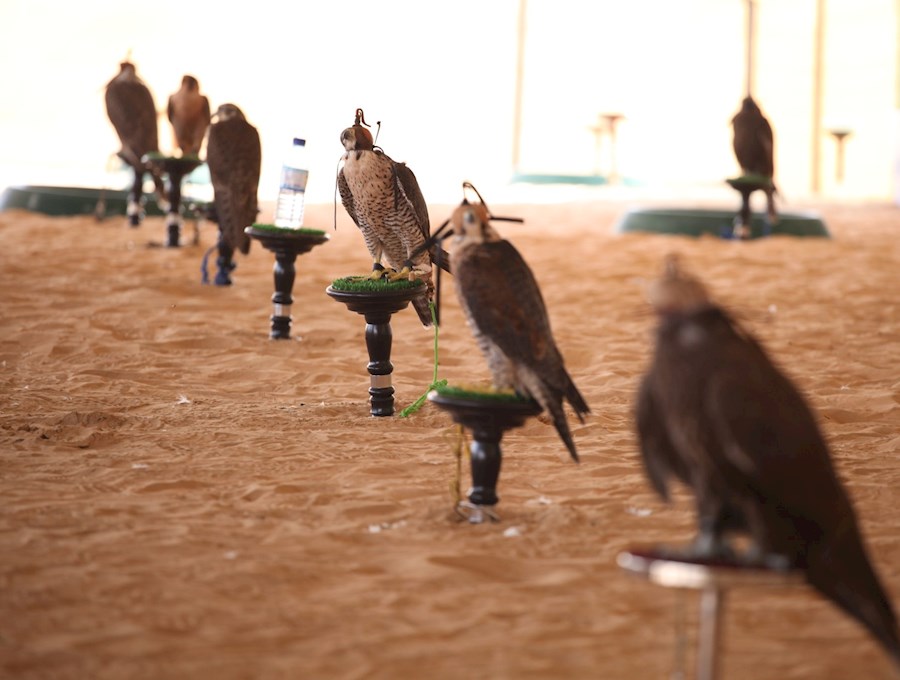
(184, 498)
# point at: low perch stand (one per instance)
(487, 415)
(745, 186)
(713, 579)
(176, 168)
(377, 302)
(287, 244)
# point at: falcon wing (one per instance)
(234, 158)
(766, 147)
(131, 111)
(661, 459)
(753, 143)
(205, 112)
(406, 188)
(347, 197)
(766, 431)
(506, 304)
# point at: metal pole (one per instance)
(520, 68)
(818, 79)
(897, 60)
(897, 112)
(712, 601)
(751, 48)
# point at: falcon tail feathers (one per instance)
(420, 304)
(562, 427)
(854, 587)
(573, 396)
(441, 258)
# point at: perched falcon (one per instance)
(715, 413)
(754, 147)
(234, 157)
(506, 313)
(384, 200)
(188, 112)
(130, 108)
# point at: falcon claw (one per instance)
(476, 514)
(402, 274)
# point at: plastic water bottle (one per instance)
(292, 191)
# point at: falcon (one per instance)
(383, 198)
(754, 146)
(715, 413)
(188, 112)
(506, 313)
(132, 113)
(234, 156)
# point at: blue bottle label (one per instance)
(294, 179)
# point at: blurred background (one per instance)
(474, 90)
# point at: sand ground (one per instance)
(184, 498)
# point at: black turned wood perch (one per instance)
(377, 307)
(487, 416)
(176, 168)
(287, 244)
(745, 186)
(677, 568)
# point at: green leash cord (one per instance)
(435, 383)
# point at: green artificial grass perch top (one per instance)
(363, 284)
(272, 229)
(750, 180)
(157, 156)
(481, 394)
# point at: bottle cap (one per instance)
(299, 142)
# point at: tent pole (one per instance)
(520, 61)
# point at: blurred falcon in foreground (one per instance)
(506, 313)
(189, 114)
(384, 200)
(234, 157)
(130, 108)
(754, 148)
(715, 413)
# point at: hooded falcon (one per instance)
(189, 115)
(130, 108)
(754, 147)
(505, 311)
(716, 414)
(234, 157)
(384, 200)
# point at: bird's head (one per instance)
(357, 137)
(749, 104)
(471, 223)
(677, 292)
(190, 83)
(127, 71)
(227, 112)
